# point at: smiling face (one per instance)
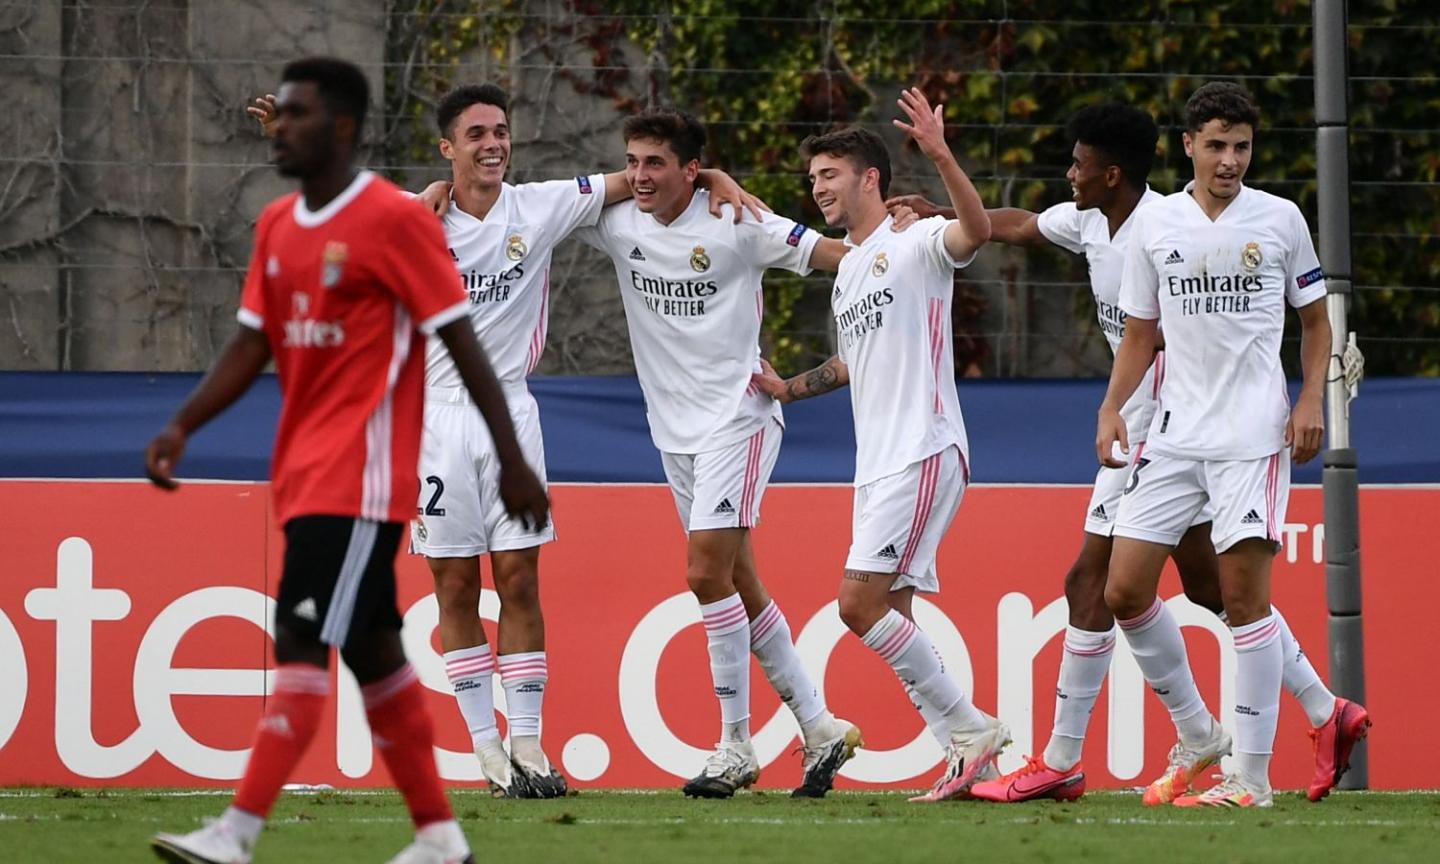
(838, 186)
(1092, 181)
(660, 182)
(1221, 155)
(478, 146)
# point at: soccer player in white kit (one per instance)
(502, 237)
(891, 303)
(691, 287)
(1114, 147)
(1216, 262)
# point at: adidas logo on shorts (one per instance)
(888, 552)
(306, 610)
(1252, 518)
(1174, 257)
(1099, 513)
(636, 254)
(723, 507)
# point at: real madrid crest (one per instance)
(881, 265)
(1250, 256)
(420, 533)
(515, 247)
(334, 257)
(699, 261)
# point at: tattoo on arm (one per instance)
(821, 379)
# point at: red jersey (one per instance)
(345, 294)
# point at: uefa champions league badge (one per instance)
(1250, 256)
(335, 255)
(699, 261)
(515, 247)
(881, 265)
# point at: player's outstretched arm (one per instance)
(1015, 227)
(520, 489)
(828, 251)
(1136, 353)
(924, 208)
(1306, 428)
(830, 375)
(971, 228)
(243, 359)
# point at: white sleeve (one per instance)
(1140, 283)
(597, 235)
(1304, 280)
(932, 232)
(564, 205)
(777, 242)
(1061, 225)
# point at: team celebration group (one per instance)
(388, 360)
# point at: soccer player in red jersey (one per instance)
(347, 277)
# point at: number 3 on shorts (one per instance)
(1134, 478)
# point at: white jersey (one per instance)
(1087, 232)
(1219, 289)
(693, 304)
(504, 262)
(892, 320)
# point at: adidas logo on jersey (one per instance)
(723, 507)
(1174, 257)
(306, 610)
(636, 254)
(1252, 518)
(1099, 512)
(888, 552)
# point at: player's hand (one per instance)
(923, 207)
(163, 455)
(265, 113)
(903, 217)
(1109, 430)
(770, 383)
(524, 496)
(926, 126)
(724, 190)
(1306, 429)
(436, 197)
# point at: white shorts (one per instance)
(460, 514)
(1166, 495)
(899, 520)
(1110, 485)
(722, 488)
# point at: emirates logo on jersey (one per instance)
(699, 261)
(881, 265)
(515, 247)
(334, 266)
(1250, 256)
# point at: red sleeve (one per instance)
(252, 296)
(416, 266)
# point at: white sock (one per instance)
(1159, 651)
(934, 720)
(1258, 663)
(771, 644)
(523, 675)
(727, 629)
(243, 824)
(445, 835)
(1300, 678)
(471, 672)
(1083, 668)
(913, 657)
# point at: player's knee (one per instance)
(707, 581)
(373, 656)
(1085, 595)
(1125, 601)
(859, 613)
(519, 591)
(295, 646)
(457, 588)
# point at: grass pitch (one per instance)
(61, 825)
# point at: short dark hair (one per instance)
(452, 104)
(1225, 101)
(862, 147)
(684, 133)
(1123, 135)
(342, 85)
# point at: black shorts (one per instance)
(339, 577)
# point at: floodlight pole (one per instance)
(1341, 483)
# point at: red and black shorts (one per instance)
(339, 577)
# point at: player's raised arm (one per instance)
(971, 228)
(830, 375)
(241, 362)
(1015, 227)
